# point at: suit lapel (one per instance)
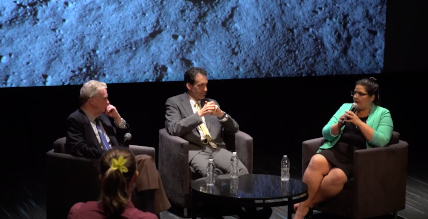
(89, 129)
(185, 102)
(371, 117)
(110, 131)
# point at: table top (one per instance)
(251, 186)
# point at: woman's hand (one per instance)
(352, 118)
(340, 123)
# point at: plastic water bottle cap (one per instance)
(234, 153)
(210, 160)
(285, 155)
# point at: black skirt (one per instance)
(341, 155)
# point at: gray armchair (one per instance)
(379, 183)
(74, 179)
(174, 169)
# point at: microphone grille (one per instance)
(128, 136)
(354, 105)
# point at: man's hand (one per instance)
(217, 111)
(209, 108)
(111, 111)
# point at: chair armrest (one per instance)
(380, 178)
(309, 149)
(139, 150)
(174, 167)
(59, 146)
(64, 189)
(242, 143)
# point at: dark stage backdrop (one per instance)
(45, 43)
(278, 112)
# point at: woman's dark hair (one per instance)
(114, 184)
(190, 74)
(372, 88)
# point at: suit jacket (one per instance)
(181, 121)
(379, 119)
(80, 137)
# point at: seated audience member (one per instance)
(118, 178)
(332, 166)
(96, 127)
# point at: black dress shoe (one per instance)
(264, 213)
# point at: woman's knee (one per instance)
(336, 177)
(319, 162)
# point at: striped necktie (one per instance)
(204, 128)
(103, 138)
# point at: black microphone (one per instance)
(127, 139)
(354, 109)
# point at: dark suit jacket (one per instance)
(80, 137)
(181, 121)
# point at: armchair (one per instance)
(379, 183)
(174, 169)
(74, 179)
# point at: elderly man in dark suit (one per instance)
(97, 127)
(200, 120)
(90, 129)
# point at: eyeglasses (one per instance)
(358, 94)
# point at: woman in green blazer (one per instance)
(332, 166)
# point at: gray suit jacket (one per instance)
(181, 121)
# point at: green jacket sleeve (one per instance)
(382, 135)
(326, 131)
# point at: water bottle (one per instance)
(285, 187)
(210, 189)
(285, 168)
(234, 182)
(234, 161)
(210, 172)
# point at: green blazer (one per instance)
(379, 119)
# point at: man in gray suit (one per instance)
(200, 121)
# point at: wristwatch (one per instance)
(224, 115)
(122, 122)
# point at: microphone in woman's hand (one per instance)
(354, 109)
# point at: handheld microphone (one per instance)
(127, 139)
(354, 109)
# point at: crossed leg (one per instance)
(323, 183)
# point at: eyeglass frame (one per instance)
(353, 93)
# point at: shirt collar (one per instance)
(193, 101)
(89, 115)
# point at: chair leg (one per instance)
(394, 215)
(185, 212)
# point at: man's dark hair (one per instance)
(190, 74)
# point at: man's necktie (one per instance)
(106, 146)
(204, 128)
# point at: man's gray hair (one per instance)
(90, 89)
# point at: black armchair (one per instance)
(174, 169)
(379, 183)
(74, 179)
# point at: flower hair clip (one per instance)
(119, 164)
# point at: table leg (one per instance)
(193, 196)
(290, 211)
